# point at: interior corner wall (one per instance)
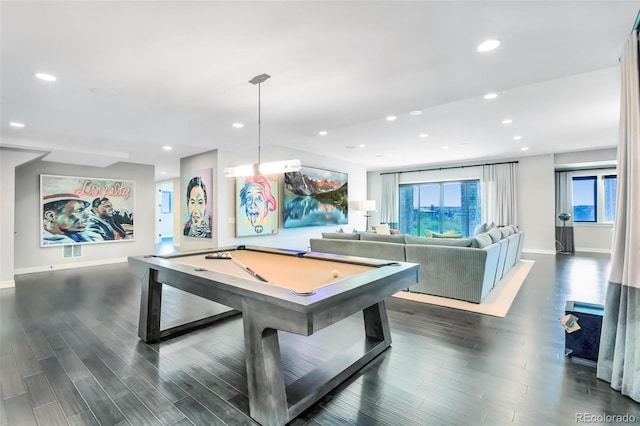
(290, 238)
(188, 165)
(9, 160)
(30, 257)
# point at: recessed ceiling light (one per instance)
(415, 112)
(167, 148)
(322, 133)
(238, 125)
(16, 124)
(517, 137)
(491, 96)
(391, 117)
(507, 121)
(488, 45)
(423, 135)
(445, 147)
(361, 145)
(46, 77)
(524, 148)
(163, 173)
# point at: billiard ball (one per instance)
(335, 273)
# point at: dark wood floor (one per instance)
(70, 354)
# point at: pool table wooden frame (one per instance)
(267, 308)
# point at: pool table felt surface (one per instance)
(299, 274)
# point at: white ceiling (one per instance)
(134, 76)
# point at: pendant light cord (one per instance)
(259, 123)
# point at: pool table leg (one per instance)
(376, 323)
(267, 394)
(150, 308)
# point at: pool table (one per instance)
(278, 289)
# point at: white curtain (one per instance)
(499, 194)
(389, 205)
(619, 355)
(564, 204)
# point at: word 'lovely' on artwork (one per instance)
(118, 189)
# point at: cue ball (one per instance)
(335, 273)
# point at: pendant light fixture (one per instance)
(260, 168)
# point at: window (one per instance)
(594, 197)
(610, 188)
(584, 199)
(439, 207)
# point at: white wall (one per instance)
(30, 257)
(535, 203)
(9, 160)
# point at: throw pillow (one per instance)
(381, 229)
(505, 231)
(483, 240)
(428, 233)
(495, 235)
(480, 229)
(448, 234)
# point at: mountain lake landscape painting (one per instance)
(315, 197)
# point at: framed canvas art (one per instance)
(199, 204)
(82, 210)
(257, 208)
(315, 197)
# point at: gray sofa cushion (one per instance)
(495, 235)
(506, 231)
(381, 238)
(481, 241)
(340, 236)
(450, 242)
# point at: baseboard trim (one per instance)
(37, 269)
(592, 250)
(536, 251)
(7, 284)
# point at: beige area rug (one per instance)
(497, 303)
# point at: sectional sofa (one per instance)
(458, 268)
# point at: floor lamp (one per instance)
(367, 206)
(564, 217)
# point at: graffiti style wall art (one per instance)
(199, 204)
(79, 210)
(257, 208)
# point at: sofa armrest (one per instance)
(454, 272)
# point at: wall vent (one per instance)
(72, 251)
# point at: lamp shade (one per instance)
(367, 205)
